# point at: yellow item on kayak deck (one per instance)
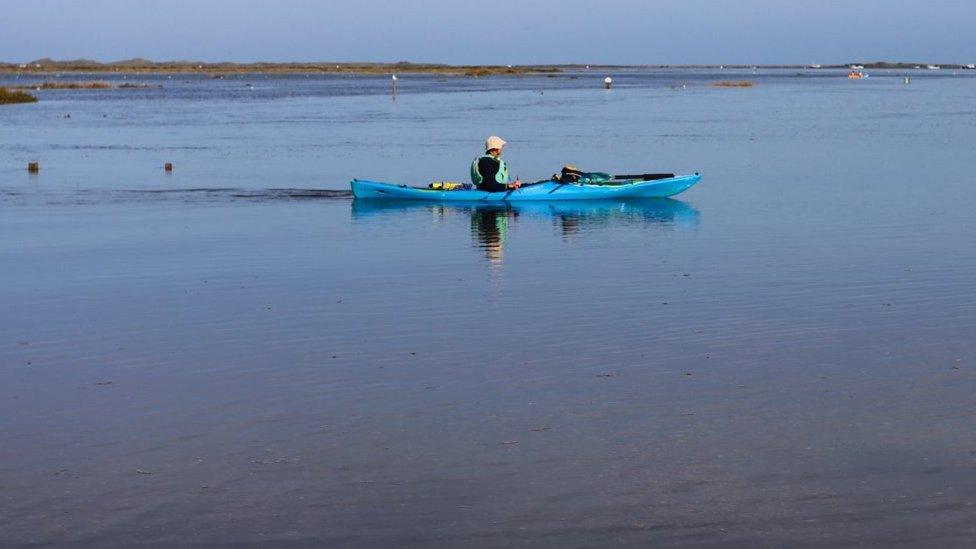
(445, 185)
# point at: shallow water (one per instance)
(237, 352)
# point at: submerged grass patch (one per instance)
(732, 84)
(8, 97)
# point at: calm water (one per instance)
(237, 352)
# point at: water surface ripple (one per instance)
(240, 353)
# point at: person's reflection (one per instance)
(569, 225)
(489, 228)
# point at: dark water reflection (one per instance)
(491, 224)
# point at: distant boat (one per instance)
(856, 75)
(933, 67)
(857, 67)
(815, 66)
(971, 66)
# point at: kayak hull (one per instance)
(548, 190)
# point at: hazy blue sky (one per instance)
(493, 31)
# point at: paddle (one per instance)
(514, 188)
(598, 177)
(642, 176)
(646, 176)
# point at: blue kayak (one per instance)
(543, 190)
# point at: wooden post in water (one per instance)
(33, 167)
(394, 86)
(168, 167)
(607, 83)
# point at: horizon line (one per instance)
(146, 62)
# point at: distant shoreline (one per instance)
(49, 66)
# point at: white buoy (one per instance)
(608, 82)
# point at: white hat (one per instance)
(494, 142)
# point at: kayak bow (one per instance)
(543, 190)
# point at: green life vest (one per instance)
(500, 177)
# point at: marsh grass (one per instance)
(732, 84)
(74, 86)
(8, 97)
(79, 86)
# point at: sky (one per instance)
(493, 31)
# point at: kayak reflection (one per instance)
(491, 222)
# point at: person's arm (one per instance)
(502, 176)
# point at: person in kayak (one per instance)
(489, 172)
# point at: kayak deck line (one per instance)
(543, 190)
